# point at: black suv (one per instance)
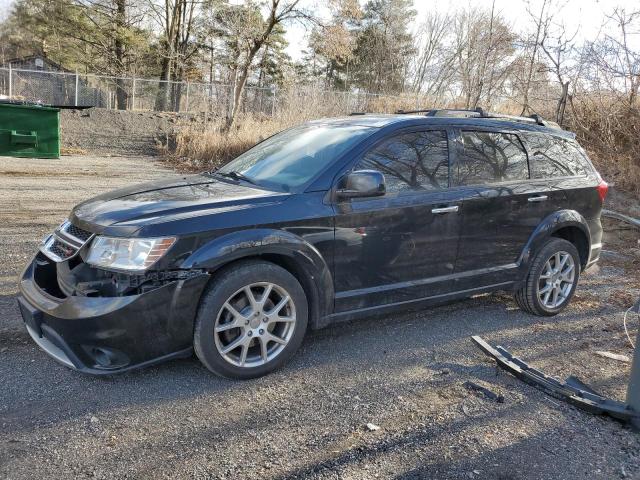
(327, 221)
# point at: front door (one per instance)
(402, 246)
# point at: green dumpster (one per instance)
(29, 130)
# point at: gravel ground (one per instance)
(102, 131)
(403, 373)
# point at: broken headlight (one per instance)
(131, 254)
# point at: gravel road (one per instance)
(403, 373)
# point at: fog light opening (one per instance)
(106, 358)
(102, 357)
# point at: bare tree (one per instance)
(249, 32)
(560, 50)
(540, 20)
(435, 62)
(176, 21)
(484, 46)
(614, 56)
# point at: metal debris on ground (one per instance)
(474, 387)
(572, 391)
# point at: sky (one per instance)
(4, 7)
(584, 16)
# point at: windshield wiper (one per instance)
(236, 176)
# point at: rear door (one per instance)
(502, 205)
(401, 246)
(564, 166)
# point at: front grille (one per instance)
(76, 232)
(62, 250)
(65, 242)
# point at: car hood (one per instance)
(168, 200)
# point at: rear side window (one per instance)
(555, 157)
(489, 157)
(411, 161)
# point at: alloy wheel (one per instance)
(556, 281)
(255, 324)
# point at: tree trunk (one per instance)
(236, 100)
(562, 103)
(176, 93)
(121, 92)
(163, 90)
(240, 81)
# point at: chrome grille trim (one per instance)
(73, 232)
(51, 246)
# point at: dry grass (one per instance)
(609, 129)
(72, 151)
(200, 148)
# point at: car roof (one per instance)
(384, 120)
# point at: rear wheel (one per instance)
(251, 320)
(552, 279)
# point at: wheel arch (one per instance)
(566, 224)
(280, 247)
(578, 238)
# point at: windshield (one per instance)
(293, 157)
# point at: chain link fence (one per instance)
(69, 89)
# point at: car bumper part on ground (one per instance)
(104, 335)
(572, 390)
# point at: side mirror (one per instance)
(361, 183)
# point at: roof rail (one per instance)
(460, 112)
(478, 112)
(446, 112)
(534, 119)
(407, 112)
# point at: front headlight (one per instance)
(135, 254)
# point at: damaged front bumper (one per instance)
(103, 329)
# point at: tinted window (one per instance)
(489, 157)
(411, 161)
(555, 157)
(294, 156)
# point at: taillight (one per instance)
(602, 188)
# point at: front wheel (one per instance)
(250, 321)
(552, 279)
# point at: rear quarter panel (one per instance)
(580, 194)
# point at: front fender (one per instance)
(546, 228)
(257, 242)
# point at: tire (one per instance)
(227, 315)
(531, 297)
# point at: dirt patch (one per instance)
(621, 247)
(125, 133)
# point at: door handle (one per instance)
(452, 209)
(539, 198)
